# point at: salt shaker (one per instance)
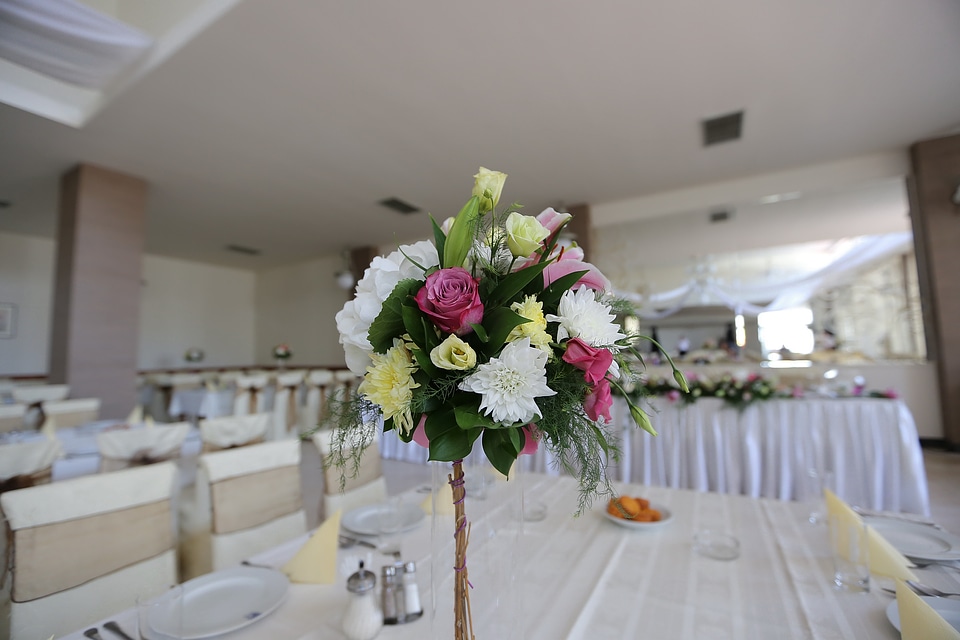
(362, 620)
(411, 593)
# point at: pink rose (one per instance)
(592, 361)
(598, 401)
(571, 261)
(450, 298)
(531, 440)
(673, 395)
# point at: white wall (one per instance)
(26, 280)
(188, 304)
(183, 304)
(296, 304)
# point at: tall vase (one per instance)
(281, 364)
(474, 592)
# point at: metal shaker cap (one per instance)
(361, 581)
(389, 571)
(410, 567)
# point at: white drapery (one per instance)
(783, 295)
(69, 41)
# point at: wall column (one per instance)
(582, 228)
(936, 231)
(96, 305)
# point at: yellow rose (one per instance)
(454, 354)
(524, 234)
(488, 186)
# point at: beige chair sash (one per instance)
(369, 470)
(291, 405)
(87, 548)
(43, 476)
(74, 418)
(209, 447)
(246, 501)
(138, 459)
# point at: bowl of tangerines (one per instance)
(636, 513)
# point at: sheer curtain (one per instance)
(69, 41)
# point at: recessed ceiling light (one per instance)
(780, 197)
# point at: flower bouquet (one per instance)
(491, 332)
(282, 352)
(194, 355)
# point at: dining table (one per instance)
(587, 577)
(864, 449)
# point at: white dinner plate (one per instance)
(366, 520)
(917, 541)
(665, 517)
(219, 602)
(948, 608)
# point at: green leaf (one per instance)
(500, 322)
(551, 295)
(453, 444)
(468, 417)
(514, 283)
(413, 323)
(481, 332)
(389, 322)
(601, 439)
(439, 239)
(460, 238)
(499, 450)
(439, 422)
(516, 439)
(426, 364)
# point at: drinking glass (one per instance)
(160, 617)
(849, 550)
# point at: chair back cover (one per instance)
(72, 413)
(234, 431)
(122, 448)
(186, 381)
(85, 548)
(319, 384)
(246, 500)
(366, 486)
(26, 464)
(11, 417)
(40, 393)
(251, 397)
(285, 404)
(229, 378)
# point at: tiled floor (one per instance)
(943, 477)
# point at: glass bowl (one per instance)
(716, 545)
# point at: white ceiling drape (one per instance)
(69, 41)
(743, 297)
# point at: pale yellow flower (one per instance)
(531, 309)
(524, 234)
(389, 384)
(488, 185)
(454, 354)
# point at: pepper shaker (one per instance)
(391, 613)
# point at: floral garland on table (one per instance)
(282, 351)
(491, 332)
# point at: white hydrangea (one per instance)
(379, 280)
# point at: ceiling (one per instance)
(282, 125)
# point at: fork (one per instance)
(927, 590)
(111, 625)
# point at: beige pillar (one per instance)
(582, 228)
(96, 307)
(936, 231)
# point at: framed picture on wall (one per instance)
(8, 319)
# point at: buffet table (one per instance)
(589, 578)
(866, 449)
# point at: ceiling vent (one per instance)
(721, 215)
(247, 251)
(722, 128)
(398, 205)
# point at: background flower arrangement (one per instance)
(194, 354)
(491, 332)
(282, 351)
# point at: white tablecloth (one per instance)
(870, 446)
(201, 403)
(587, 578)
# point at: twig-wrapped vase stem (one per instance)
(462, 616)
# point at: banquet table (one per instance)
(586, 577)
(866, 448)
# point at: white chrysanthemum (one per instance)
(379, 280)
(508, 384)
(582, 316)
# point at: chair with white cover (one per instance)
(85, 548)
(72, 413)
(32, 394)
(28, 464)
(229, 432)
(251, 395)
(316, 409)
(366, 486)
(346, 383)
(229, 378)
(246, 500)
(285, 403)
(11, 417)
(122, 448)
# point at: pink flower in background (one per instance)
(592, 361)
(598, 401)
(797, 392)
(420, 433)
(531, 440)
(890, 393)
(673, 395)
(571, 261)
(752, 377)
(450, 299)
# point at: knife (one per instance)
(115, 628)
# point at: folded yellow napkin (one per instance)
(316, 562)
(444, 501)
(136, 416)
(920, 621)
(884, 559)
(148, 421)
